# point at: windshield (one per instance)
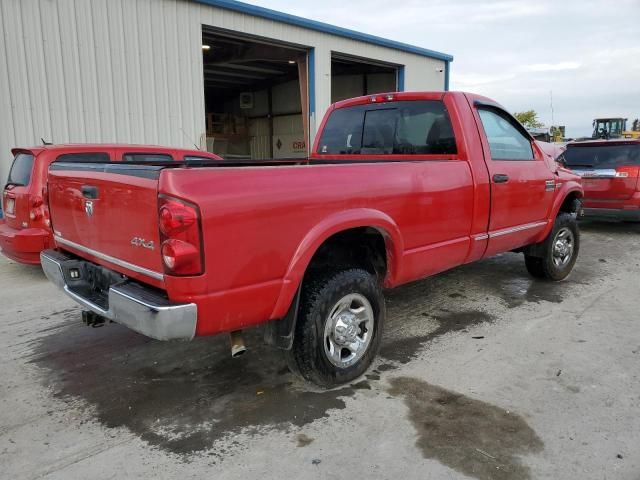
(20, 173)
(602, 156)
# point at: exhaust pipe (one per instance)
(237, 343)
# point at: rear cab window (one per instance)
(415, 127)
(601, 156)
(20, 173)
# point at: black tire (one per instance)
(546, 263)
(321, 295)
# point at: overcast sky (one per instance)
(586, 52)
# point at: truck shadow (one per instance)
(610, 227)
(185, 397)
(181, 397)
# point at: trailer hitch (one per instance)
(92, 319)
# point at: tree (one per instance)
(636, 125)
(529, 119)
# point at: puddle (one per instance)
(181, 397)
(470, 436)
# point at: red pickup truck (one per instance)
(610, 171)
(399, 186)
(26, 230)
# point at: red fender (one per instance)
(338, 222)
(567, 186)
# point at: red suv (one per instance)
(26, 229)
(609, 171)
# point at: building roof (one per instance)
(269, 14)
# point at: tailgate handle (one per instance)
(89, 191)
(500, 178)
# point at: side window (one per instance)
(147, 157)
(87, 157)
(402, 128)
(505, 140)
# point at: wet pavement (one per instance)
(483, 373)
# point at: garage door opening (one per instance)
(354, 77)
(256, 97)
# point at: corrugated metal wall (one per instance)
(131, 71)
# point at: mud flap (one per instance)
(279, 333)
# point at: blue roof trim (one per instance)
(446, 76)
(269, 14)
(311, 73)
(400, 80)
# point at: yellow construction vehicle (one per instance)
(615, 128)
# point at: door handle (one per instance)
(89, 191)
(500, 178)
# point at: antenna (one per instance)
(44, 142)
(553, 122)
(190, 139)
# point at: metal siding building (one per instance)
(132, 71)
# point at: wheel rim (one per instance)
(348, 330)
(563, 245)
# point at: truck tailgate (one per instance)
(108, 213)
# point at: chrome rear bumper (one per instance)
(140, 308)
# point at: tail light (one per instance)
(387, 97)
(627, 172)
(45, 214)
(37, 210)
(180, 237)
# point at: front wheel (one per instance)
(339, 327)
(555, 257)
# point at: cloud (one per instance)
(468, 80)
(493, 12)
(550, 67)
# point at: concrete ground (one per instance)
(484, 373)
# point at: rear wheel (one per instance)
(556, 256)
(339, 327)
